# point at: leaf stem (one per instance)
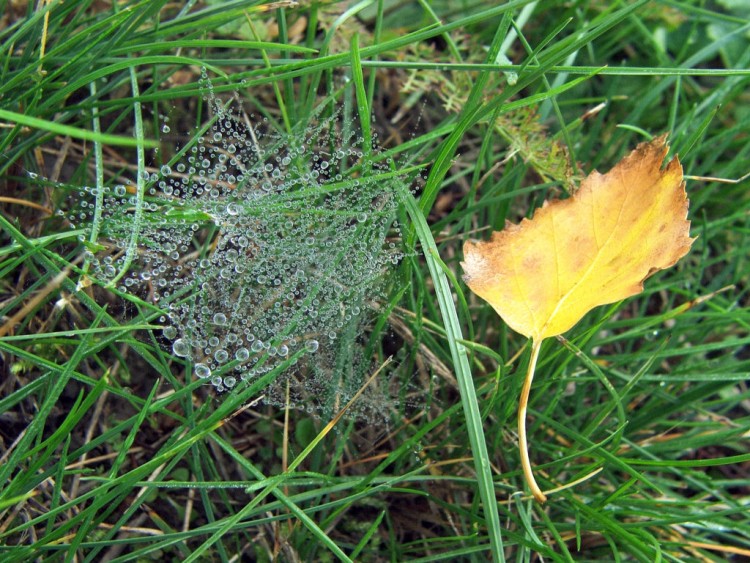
(523, 446)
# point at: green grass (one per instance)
(111, 449)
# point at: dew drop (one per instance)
(202, 371)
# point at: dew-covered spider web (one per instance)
(261, 247)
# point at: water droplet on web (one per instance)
(312, 346)
(220, 319)
(202, 371)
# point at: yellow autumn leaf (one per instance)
(596, 247)
(591, 249)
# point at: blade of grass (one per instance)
(68, 131)
(474, 425)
